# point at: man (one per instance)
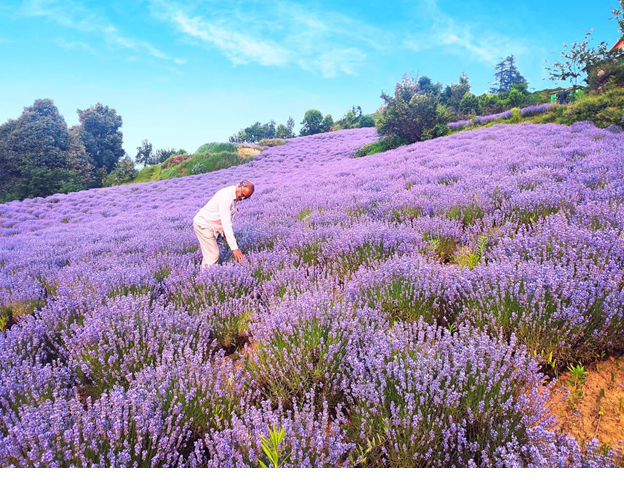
(216, 218)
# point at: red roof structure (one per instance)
(618, 45)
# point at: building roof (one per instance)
(618, 45)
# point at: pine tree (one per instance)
(506, 75)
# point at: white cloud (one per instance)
(461, 37)
(73, 15)
(274, 33)
(336, 61)
(239, 48)
(61, 42)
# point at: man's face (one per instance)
(243, 193)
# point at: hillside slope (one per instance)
(400, 309)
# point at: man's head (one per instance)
(244, 190)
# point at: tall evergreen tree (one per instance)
(506, 75)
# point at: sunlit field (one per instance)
(405, 309)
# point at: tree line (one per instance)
(40, 155)
(419, 109)
(314, 122)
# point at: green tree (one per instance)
(506, 75)
(328, 122)
(516, 97)
(124, 172)
(286, 131)
(577, 61)
(469, 105)
(39, 138)
(366, 121)
(454, 93)
(490, 104)
(351, 119)
(410, 114)
(427, 86)
(101, 135)
(312, 122)
(144, 153)
(290, 126)
(78, 160)
(41, 181)
(255, 133)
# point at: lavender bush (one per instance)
(387, 315)
(480, 120)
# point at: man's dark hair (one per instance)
(248, 185)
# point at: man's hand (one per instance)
(238, 256)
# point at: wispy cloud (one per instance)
(61, 42)
(274, 33)
(460, 37)
(238, 47)
(73, 15)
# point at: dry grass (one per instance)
(248, 151)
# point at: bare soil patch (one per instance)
(596, 409)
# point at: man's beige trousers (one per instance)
(208, 244)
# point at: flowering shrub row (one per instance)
(529, 111)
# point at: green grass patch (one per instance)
(147, 174)
(383, 145)
(216, 147)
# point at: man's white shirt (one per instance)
(217, 214)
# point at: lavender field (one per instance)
(396, 310)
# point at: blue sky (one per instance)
(182, 73)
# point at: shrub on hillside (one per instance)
(272, 142)
(442, 399)
(40, 181)
(149, 173)
(383, 145)
(607, 74)
(469, 105)
(603, 109)
(490, 104)
(366, 121)
(161, 155)
(124, 172)
(174, 161)
(354, 119)
(212, 147)
(411, 115)
(202, 163)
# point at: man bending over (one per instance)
(215, 219)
